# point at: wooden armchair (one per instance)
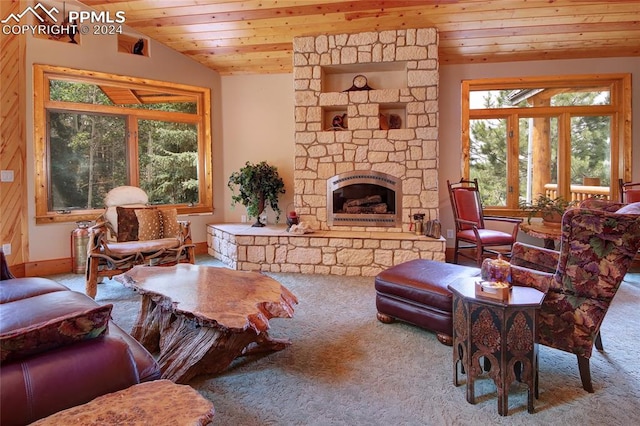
(132, 233)
(470, 224)
(580, 281)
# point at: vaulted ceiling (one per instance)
(255, 36)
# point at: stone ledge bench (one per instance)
(353, 253)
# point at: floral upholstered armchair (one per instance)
(130, 233)
(596, 250)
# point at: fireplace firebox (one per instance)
(364, 198)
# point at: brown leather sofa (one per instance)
(40, 384)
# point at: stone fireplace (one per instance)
(402, 71)
(364, 198)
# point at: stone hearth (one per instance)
(273, 249)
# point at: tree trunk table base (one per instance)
(160, 402)
(200, 318)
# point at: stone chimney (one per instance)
(392, 128)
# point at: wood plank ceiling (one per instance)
(255, 36)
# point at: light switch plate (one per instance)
(6, 248)
(6, 176)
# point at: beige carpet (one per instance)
(346, 368)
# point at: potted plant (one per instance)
(258, 185)
(550, 209)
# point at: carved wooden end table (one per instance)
(502, 333)
(200, 318)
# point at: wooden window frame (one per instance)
(42, 103)
(619, 110)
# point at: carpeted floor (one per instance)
(346, 368)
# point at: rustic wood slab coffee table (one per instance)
(160, 402)
(200, 318)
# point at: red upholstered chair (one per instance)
(580, 281)
(471, 233)
(629, 192)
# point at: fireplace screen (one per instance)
(364, 198)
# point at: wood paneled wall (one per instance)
(13, 195)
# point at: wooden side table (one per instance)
(502, 333)
(549, 233)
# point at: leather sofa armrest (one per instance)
(146, 365)
(46, 383)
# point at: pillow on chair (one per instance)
(127, 223)
(170, 225)
(157, 223)
(125, 196)
(149, 224)
(633, 208)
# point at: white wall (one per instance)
(257, 125)
(99, 53)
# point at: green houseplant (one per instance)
(258, 185)
(550, 209)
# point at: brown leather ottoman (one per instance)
(416, 292)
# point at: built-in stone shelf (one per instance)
(272, 249)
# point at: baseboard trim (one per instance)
(48, 267)
(201, 248)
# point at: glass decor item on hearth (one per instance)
(496, 270)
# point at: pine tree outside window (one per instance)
(95, 132)
(566, 136)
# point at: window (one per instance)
(96, 131)
(561, 136)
